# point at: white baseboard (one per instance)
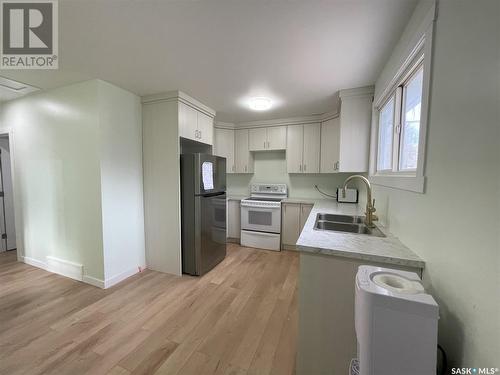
(33, 262)
(75, 271)
(93, 281)
(109, 282)
(65, 268)
(55, 262)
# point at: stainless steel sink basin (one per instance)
(341, 218)
(346, 224)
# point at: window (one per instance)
(386, 126)
(410, 122)
(399, 126)
(400, 110)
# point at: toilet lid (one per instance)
(397, 283)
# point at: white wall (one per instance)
(455, 225)
(55, 146)
(120, 130)
(270, 167)
(78, 180)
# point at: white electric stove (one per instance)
(261, 216)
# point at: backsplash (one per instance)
(270, 167)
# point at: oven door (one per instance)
(262, 219)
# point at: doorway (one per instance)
(7, 218)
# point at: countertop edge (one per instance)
(361, 256)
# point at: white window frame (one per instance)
(411, 180)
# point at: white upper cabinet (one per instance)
(294, 148)
(224, 146)
(276, 138)
(188, 121)
(243, 157)
(266, 139)
(330, 146)
(355, 125)
(312, 140)
(195, 124)
(345, 141)
(257, 139)
(205, 128)
(303, 148)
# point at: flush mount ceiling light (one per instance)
(260, 103)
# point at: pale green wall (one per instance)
(455, 225)
(56, 175)
(270, 167)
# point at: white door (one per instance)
(224, 146)
(205, 128)
(233, 219)
(276, 138)
(305, 210)
(261, 219)
(290, 226)
(330, 145)
(294, 148)
(257, 139)
(188, 122)
(242, 154)
(8, 227)
(312, 144)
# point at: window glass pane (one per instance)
(412, 92)
(385, 136)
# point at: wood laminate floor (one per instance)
(241, 318)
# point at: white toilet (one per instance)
(396, 324)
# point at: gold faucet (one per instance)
(370, 216)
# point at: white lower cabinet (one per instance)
(294, 216)
(233, 219)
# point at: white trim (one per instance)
(32, 262)
(65, 268)
(93, 281)
(358, 91)
(300, 120)
(109, 282)
(180, 96)
(39, 264)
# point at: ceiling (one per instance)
(299, 53)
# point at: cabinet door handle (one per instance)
(264, 144)
(245, 168)
(300, 167)
(267, 144)
(305, 167)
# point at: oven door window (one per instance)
(263, 218)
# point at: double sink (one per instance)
(345, 223)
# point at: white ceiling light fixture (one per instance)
(260, 103)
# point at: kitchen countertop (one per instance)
(357, 246)
(304, 200)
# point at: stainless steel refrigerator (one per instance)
(203, 205)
